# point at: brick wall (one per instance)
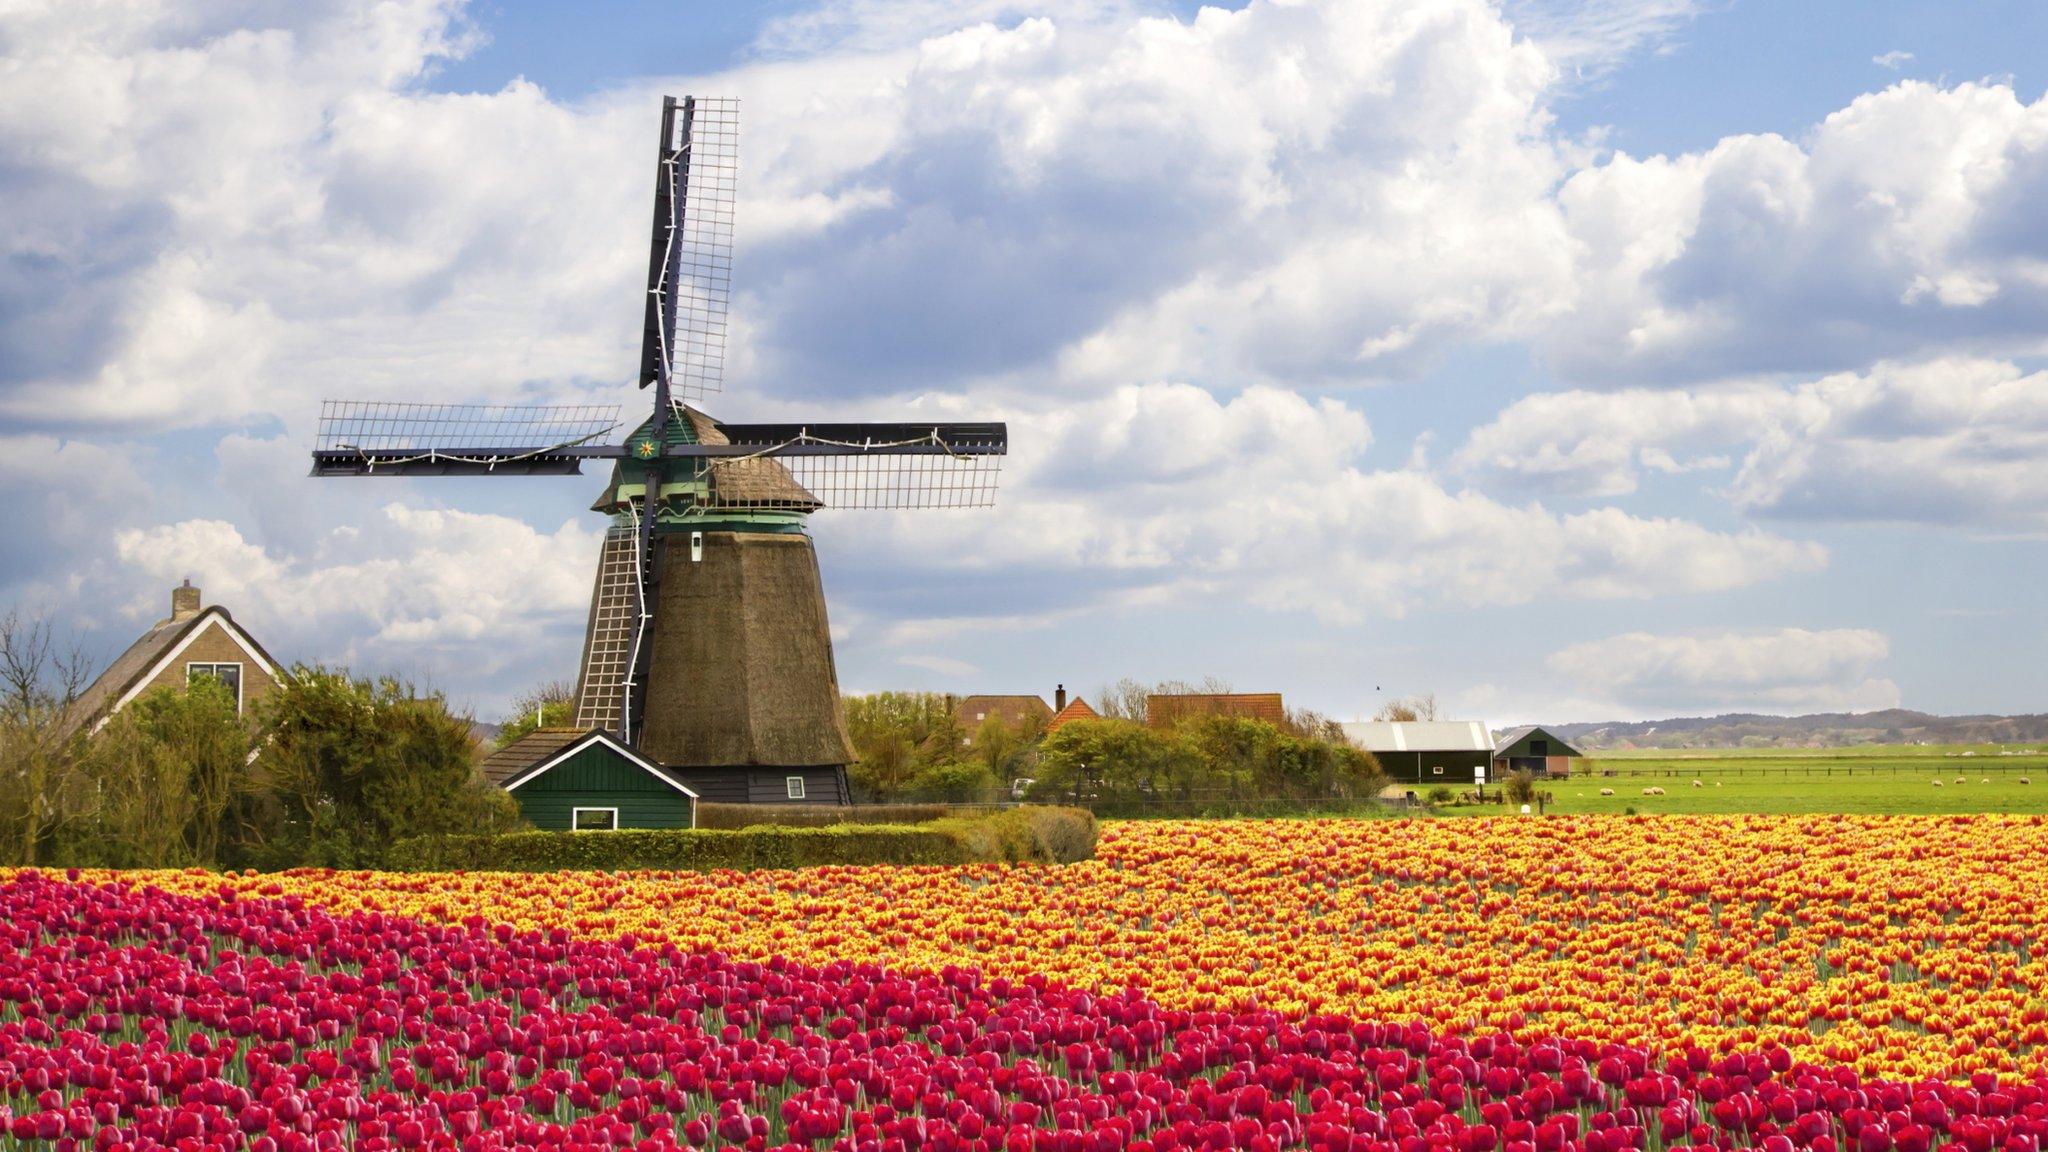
(213, 645)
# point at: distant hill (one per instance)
(1820, 730)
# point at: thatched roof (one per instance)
(140, 663)
(749, 483)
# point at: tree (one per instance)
(1125, 699)
(1115, 761)
(895, 736)
(43, 787)
(171, 774)
(549, 705)
(1421, 707)
(357, 765)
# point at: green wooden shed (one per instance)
(573, 779)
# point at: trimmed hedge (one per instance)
(1021, 835)
(821, 815)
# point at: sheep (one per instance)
(1959, 779)
(1653, 791)
(1698, 784)
(1607, 791)
(2024, 780)
(1937, 781)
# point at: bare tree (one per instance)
(1421, 707)
(42, 784)
(1125, 699)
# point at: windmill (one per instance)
(706, 647)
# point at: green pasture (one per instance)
(1872, 779)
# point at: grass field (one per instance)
(1870, 779)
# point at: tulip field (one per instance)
(1561, 984)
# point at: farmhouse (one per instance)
(584, 780)
(1017, 713)
(1531, 749)
(193, 642)
(1165, 710)
(1427, 751)
(1075, 709)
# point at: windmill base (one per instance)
(740, 674)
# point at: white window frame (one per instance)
(240, 672)
(575, 812)
(793, 787)
(1436, 769)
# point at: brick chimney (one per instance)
(1059, 698)
(184, 601)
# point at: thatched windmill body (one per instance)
(706, 646)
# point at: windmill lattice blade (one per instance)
(384, 424)
(366, 437)
(878, 481)
(702, 218)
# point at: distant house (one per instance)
(193, 642)
(1165, 710)
(577, 780)
(1532, 749)
(1427, 751)
(1072, 710)
(1017, 713)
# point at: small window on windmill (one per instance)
(795, 784)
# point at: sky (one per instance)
(1567, 359)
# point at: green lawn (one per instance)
(1881, 779)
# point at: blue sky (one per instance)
(1579, 359)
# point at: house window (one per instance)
(228, 674)
(1539, 747)
(795, 784)
(594, 819)
(1436, 769)
(981, 715)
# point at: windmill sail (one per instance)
(398, 438)
(689, 263)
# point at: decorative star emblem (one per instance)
(644, 449)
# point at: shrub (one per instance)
(1020, 835)
(1441, 794)
(1520, 787)
(819, 815)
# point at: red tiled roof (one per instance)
(1011, 710)
(1076, 709)
(1162, 711)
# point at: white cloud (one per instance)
(1892, 59)
(1790, 671)
(1163, 490)
(1951, 441)
(1601, 443)
(462, 586)
(1902, 223)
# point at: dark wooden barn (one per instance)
(1449, 752)
(1532, 749)
(568, 779)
